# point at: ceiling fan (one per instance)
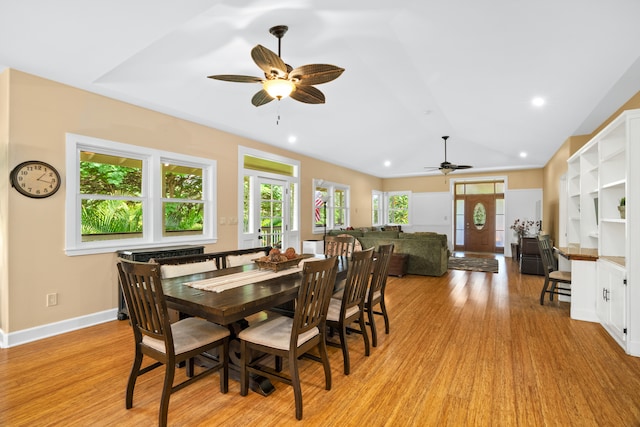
(281, 80)
(448, 167)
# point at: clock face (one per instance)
(35, 179)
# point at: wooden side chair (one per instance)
(350, 308)
(339, 246)
(169, 344)
(292, 338)
(375, 295)
(555, 282)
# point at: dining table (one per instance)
(230, 304)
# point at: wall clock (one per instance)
(35, 179)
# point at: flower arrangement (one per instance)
(525, 227)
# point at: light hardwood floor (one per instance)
(467, 348)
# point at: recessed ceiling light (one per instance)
(523, 154)
(387, 163)
(292, 139)
(538, 101)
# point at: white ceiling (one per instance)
(415, 70)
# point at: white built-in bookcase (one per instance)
(601, 173)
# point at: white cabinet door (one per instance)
(611, 301)
(618, 317)
(602, 299)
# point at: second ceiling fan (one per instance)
(281, 80)
(447, 167)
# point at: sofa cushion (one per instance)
(354, 233)
(237, 260)
(382, 234)
(428, 252)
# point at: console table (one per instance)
(144, 255)
(530, 261)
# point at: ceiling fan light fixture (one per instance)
(446, 171)
(278, 88)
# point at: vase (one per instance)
(622, 211)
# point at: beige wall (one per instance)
(35, 115)
(4, 202)
(557, 166)
(41, 113)
(518, 180)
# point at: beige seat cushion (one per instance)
(236, 260)
(174, 270)
(376, 295)
(334, 310)
(561, 276)
(275, 333)
(188, 334)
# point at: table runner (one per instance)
(230, 281)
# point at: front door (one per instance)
(480, 223)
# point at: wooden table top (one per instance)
(234, 304)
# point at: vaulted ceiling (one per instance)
(414, 70)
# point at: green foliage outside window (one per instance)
(399, 209)
(109, 180)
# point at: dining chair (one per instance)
(556, 282)
(375, 294)
(169, 344)
(350, 308)
(341, 246)
(291, 338)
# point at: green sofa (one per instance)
(428, 252)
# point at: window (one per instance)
(391, 208)
(377, 211)
(398, 208)
(122, 196)
(330, 206)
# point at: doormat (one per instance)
(487, 265)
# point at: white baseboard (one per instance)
(633, 348)
(39, 332)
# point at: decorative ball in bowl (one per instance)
(278, 260)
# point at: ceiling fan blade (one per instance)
(261, 97)
(308, 95)
(269, 62)
(461, 166)
(315, 74)
(236, 78)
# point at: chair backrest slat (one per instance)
(380, 269)
(340, 246)
(318, 278)
(546, 254)
(358, 276)
(142, 289)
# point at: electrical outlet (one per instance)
(52, 299)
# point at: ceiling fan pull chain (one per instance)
(278, 112)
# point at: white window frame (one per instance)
(151, 197)
(331, 187)
(388, 195)
(292, 228)
(384, 206)
(381, 210)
